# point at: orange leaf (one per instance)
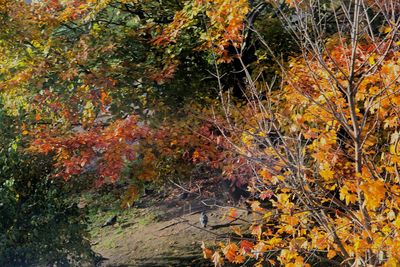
(255, 206)
(246, 246)
(256, 230)
(230, 251)
(238, 259)
(265, 174)
(374, 192)
(207, 253)
(331, 254)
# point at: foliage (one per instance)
(137, 151)
(39, 226)
(94, 112)
(316, 137)
(324, 147)
(224, 21)
(71, 95)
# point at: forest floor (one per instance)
(162, 229)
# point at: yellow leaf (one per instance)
(331, 254)
(347, 194)
(372, 60)
(326, 174)
(351, 198)
(283, 198)
(397, 222)
(265, 174)
(291, 220)
(274, 241)
(387, 29)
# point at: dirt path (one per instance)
(160, 233)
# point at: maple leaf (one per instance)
(259, 249)
(283, 198)
(326, 174)
(246, 246)
(266, 195)
(256, 230)
(348, 194)
(230, 251)
(374, 192)
(265, 174)
(238, 259)
(255, 206)
(196, 155)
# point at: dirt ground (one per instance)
(163, 231)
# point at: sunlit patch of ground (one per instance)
(160, 231)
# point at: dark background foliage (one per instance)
(38, 225)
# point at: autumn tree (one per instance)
(52, 72)
(324, 145)
(51, 69)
